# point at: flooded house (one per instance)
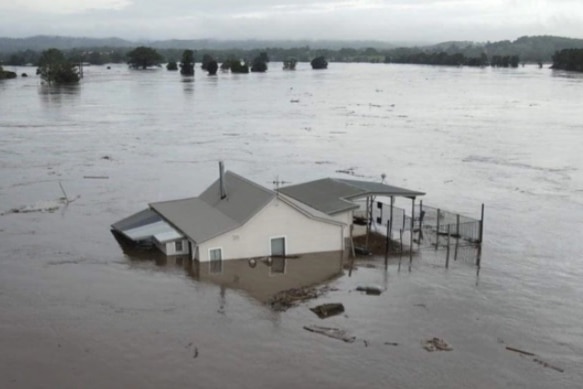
(235, 218)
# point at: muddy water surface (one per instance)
(77, 312)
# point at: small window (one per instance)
(216, 260)
(178, 246)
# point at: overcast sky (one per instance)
(385, 20)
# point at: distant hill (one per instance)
(528, 48)
(43, 42)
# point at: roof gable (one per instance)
(207, 216)
(244, 198)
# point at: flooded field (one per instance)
(76, 311)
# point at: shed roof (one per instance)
(207, 216)
(333, 195)
(144, 217)
(147, 231)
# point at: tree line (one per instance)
(55, 67)
(569, 59)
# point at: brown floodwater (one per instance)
(77, 311)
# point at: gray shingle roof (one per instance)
(332, 195)
(207, 216)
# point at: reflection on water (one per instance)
(187, 85)
(58, 94)
(260, 279)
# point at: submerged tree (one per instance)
(568, 59)
(238, 67)
(209, 64)
(54, 68)
(172, 65)
(144, 57)
(319, 63)
(187, 63)
(259, 64)
(212, 67)
(290, 64)
(5, 74)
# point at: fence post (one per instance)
(412, 231)
(447, 255)
(457, 236)
(401, 247)
(479, 258)
(420, 235)
(368, 218)
(388, 243)
(437, 231)
(391, 217)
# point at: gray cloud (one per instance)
(425, 20)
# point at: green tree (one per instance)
(4, 75)
(172, 65)
(187, 63)
(319, 63)
(238, 67)
(54, 68)
(259, 64)
(143, 57)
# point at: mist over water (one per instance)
(78, 312)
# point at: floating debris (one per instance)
(370, 290)
(334, 333)
(96, 177)
(286, 299)
(391, 343)
(41, 206)
(436, 344)
(546, 364)
(536, 359)
(516, 350)
(360, 250)
(326, 310)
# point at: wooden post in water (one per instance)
(457, 236)
(437, 229)
(447, 255)
(388, 244)
(391, 217)
(479, 258)
(353, 256)
(401, 252)
(368, 219)
(411, 234)
(420, 223)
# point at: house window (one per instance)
(216, 260)
(178, 246)
(278, 255)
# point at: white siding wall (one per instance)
(303, 235)
(170, 248)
